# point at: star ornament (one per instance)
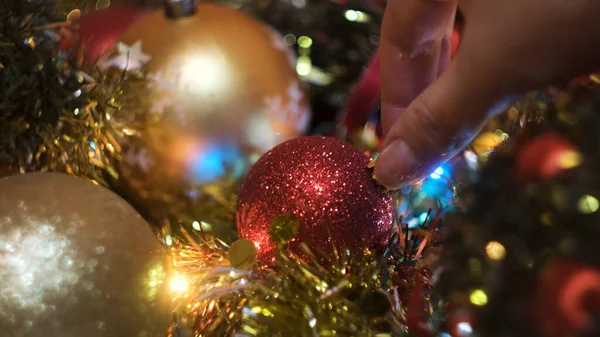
(129, 57)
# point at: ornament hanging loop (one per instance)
(175, 9)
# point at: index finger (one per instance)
(412, 51)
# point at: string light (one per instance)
(305, 42)
(495, 250)
(304, 65)
(356, 16)
(178, 284)
(588, 204)
(289, 39)
(437, 174)
(479, 298)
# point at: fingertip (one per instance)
(397, 165)
(433, 128)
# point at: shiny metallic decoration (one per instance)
(76, 260)
(292, 298)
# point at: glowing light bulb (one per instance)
(588, 204)
(178, 284)
(464, 328)
(479, 297)
(423, 217)
(351, 15)
(305, 42)
(437, 174)
(356, 16)
(304, 66)
(495, 250)
(196, 226)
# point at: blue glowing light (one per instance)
(212, 162)
(437, 174)
(423, 217)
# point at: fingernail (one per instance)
(396, 165)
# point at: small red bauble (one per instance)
(546, 156)
(325, 183)
(568, 298)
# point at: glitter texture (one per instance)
(326, 184)
(76, 260)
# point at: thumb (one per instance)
(435, 127)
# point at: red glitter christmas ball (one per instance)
(326, 185)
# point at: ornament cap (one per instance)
(175, 9)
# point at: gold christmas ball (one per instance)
(76, 260)
(224, 89)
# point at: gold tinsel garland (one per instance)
(223, 291)
(54, 116)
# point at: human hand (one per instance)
(507, 47)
